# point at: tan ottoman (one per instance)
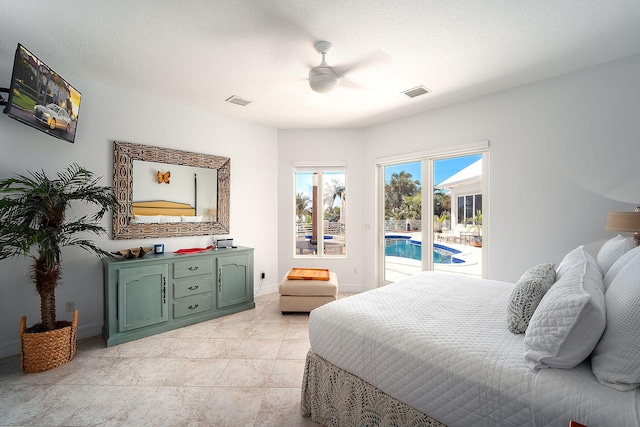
(305, 295)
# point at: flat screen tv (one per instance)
(40, 98)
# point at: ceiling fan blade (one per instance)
(350, 84)
(374, 58)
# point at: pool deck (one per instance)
(398, 268)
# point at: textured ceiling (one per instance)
(200, 52)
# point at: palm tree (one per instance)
(33, 224)
(332, 191)
(412, 206)
(441, 202)
(302, 206)
(400, 185)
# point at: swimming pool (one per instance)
(405, 247)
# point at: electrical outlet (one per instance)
(69, 306)
(262, 275)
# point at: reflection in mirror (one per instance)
(163, 192)
(195, 187)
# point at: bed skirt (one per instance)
(334, 397)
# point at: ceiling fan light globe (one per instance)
(322, 79)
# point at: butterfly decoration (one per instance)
(163, 177)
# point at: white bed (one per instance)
(438, 344)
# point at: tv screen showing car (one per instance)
(42, 99)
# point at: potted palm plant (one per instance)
(33, 224)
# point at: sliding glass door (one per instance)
(457, 214)
(402, 220)
(432, 215)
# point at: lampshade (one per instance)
(623, 221)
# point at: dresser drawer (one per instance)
(192, 267)
(193, 304)
(192, 286)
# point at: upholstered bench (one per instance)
(305, 295)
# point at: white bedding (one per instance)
(439, 343)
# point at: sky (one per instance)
(443, 168)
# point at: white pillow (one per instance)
(619, 265)
(170, 218)
(616, 361)
(570, 260)
(612, 250)
(141, 219)
(570, 319)
(186, 218)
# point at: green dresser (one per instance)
(157, 293)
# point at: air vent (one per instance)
(238, 101)
(416, 91)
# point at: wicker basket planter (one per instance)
(42, 351)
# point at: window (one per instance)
(469, 208)
(320, 217)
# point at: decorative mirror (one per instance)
(163, 192)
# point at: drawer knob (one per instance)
(194, 268)
(193, 288)
(193, 307)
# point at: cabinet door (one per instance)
(233, 280)
(142, 296)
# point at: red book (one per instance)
(192, 250)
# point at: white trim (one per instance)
(486, 215)
(380, 227)
(426, 193)
(319, 163)
(443, 152)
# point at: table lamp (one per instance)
(625, 221)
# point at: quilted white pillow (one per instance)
(570, 319)
(170, 218)
(612, 250)
(615, 361)
(619, 265)
(527, 294)
(186, 218)
(570, 260)
(144, 219)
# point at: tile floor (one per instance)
(240, 370)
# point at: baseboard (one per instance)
(12, 347)
(88, 331)
(268, 289)
(271, 289)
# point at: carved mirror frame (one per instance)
(124, 153)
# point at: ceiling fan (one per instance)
(322, 78)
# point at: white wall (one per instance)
(108, 114)
(563, 153)
(316, 145)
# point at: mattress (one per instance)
(439, 343)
